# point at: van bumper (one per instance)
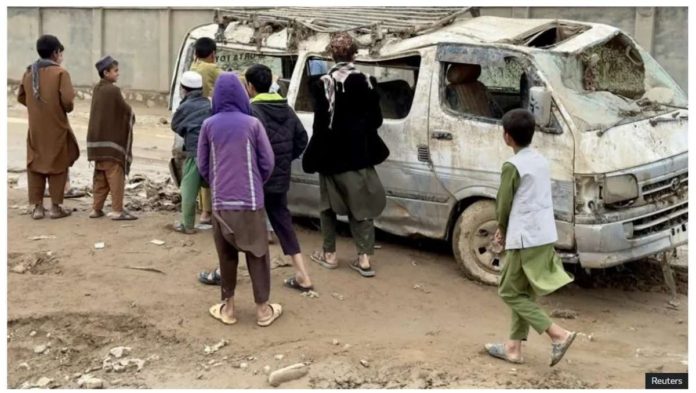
(607, 245)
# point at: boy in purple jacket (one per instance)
(236, 158)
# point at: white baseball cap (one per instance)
(192, 80)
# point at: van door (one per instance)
(416, 203)
(473, 88)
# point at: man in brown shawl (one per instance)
(110, 141)
(48, 94)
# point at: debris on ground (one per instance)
(266, 369)
(335, 342)
(310, 294)
(280, 356)
(564, 314)
(89, 382)
(243, 365)
(163, 121)
(144, 268)
(99, 246)
(39, 349)
(24, 366)
(42, 237)
(157, 242)
(216, 347)
(364, 363)
(43, 382)
(119, 352)
(144, 194)
(338, 296)
(33, 263)
(287, 374)
(420, 287)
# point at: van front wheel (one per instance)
(471, 242)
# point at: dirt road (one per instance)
(418, 324)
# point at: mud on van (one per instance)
(611, 121)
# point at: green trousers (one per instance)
(191, 183)
(520, 294)
(363, 232)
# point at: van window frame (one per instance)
(371, 62)
(449, 53)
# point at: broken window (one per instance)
(485, 90)
(553, 34)
(396, 83)
(234, 60)
(616, 67)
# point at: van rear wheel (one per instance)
(471, 242)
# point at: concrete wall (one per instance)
(147, 40)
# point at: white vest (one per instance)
(532, 222)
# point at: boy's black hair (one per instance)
(260, 76)
(205, 47)
(109, 68)
(48, 44)
(520, 125)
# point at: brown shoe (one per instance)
(59, 212)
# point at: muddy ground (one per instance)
(418, 324)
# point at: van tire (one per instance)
(474, 227)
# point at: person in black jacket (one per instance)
(187, 122)
(288, 139)
(344, 149)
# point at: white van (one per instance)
(611, 121)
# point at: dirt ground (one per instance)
(418, 324)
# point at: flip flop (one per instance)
(97, 214)
(124, 216)
(498, 351)
(277, 312)
(210, 278)
(62, 214)
(205, 222)
(293, 284)
(559, 350)
(355, 265)
(181, 229)
(38, 213)
(216, 312)
(203, 227)
(318, 257)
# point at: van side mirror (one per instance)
(540, 105)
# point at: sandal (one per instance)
(97, 214)
(320, 258)
(182, 229)
(216, 312)
(74, 193)
(498, 351)
(293, 284)
(62, 213)
(277, 311)
(365, 272)
(560, 349)
(210, 278)
(38, 213)
(124, 216)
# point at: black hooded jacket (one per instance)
(288, 139)
(353, 142)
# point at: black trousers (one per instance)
(281, 221)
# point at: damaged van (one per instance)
(611, 121)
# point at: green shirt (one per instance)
(209, 72)
(509, 182)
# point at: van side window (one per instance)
(396, 83)
(485, 90)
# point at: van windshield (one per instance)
(610, 84)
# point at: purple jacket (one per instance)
(234, 154)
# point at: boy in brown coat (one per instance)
(51, 144)
(109, 141)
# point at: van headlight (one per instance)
(619, 189)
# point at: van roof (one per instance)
(519, 33)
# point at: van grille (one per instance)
(664, 188)
(672, 218)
